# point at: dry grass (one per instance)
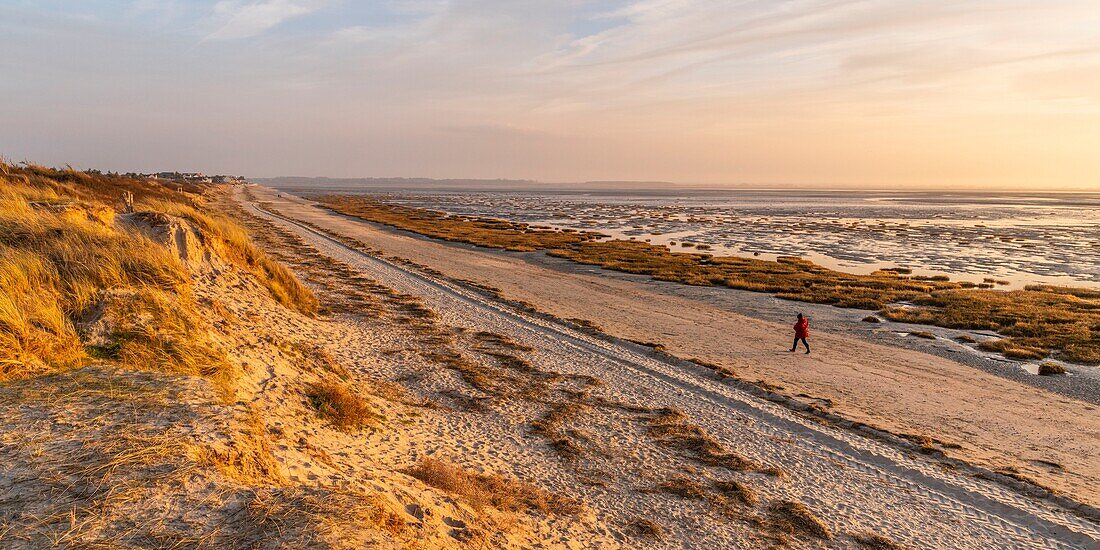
(672, 428)
(306, 518)
(923, 334)
(1011, 349)
(555, 426)
(875, 541)
(795, 518)
(480, 490)
(480, 231)
(1035, 320)
(249, 459)
(1051, 369)
(341, 288)
(483, 378)
(316, 358)
(120, 467)
(81, 278)
(736, 491)
(232, 242)
(645, 528)
(149, 330)
(684, 488)
(338, 405)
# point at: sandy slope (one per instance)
(854, 483)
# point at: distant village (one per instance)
(189, 177)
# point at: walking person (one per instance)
(801, 331)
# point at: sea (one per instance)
(1009, 240)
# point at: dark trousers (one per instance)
(804, 343)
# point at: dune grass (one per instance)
(81, 279)
(340, 406)
(1034, 321)
(874, 541)
(232, 242)
(795, 518)
(645, 528)
(480, 490)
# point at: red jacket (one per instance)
(802, 328)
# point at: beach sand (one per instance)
(855, 483)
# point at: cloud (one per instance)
(700, 90)
(243, 20)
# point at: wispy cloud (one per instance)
(236, 19)
(700, 90)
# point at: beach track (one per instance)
(854, 481)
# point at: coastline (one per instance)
(999, 423)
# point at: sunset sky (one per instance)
(886, 94)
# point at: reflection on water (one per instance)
(1015, 238)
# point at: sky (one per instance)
(880, 94)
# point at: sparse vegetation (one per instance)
(923, 334)
(795, 518)
(875, 541)
(1033, 320)
(645, 528)
(684, 488)
(480, 490)
(1051, 369)
(1010, 349)
(337, 404)
(118, 470)
(467, 229)
(317, 358)
(672, 428)
(735, 490)
(554, 426)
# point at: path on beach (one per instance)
(854, 481)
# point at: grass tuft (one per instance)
(1051, 369)
(480, 490)
(344, 409)
(794, 517)
(645, 528)
(735, 490)
(875, 541)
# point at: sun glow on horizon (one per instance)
(882, 94)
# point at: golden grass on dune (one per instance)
(80, 279)
(344, 409)
(1034, 321)
(232, 242)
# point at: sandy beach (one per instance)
(688, 274)
(852, 481)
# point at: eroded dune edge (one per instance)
(185, 371)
